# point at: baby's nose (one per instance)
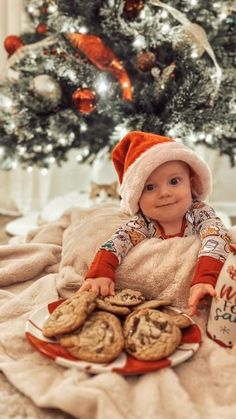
(164, 191)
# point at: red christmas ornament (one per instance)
(103, 58)
(132, 8)
(84, 100)
(41, 28)
(12, 43)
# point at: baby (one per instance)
(163, 184)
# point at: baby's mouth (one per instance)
(166, 205)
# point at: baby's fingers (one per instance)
(112, 288)
(85, 287)
(192, 305)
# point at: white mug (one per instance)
(221, 325)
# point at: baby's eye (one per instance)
(175, 181)
(150, 187)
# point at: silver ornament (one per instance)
(47, 88)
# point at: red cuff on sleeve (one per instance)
(207, 270)
(104, 264)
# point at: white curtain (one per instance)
(10, 24)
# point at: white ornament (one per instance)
(47, 88)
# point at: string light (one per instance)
(51, 159)
(48, 148)
(165, 28)
(14, 164)
(21, 150)
(44, 171)
(51, 8)
(37, 148)
(119, 131)
(83, 29)
(79, 158)
(142, 14)
(218, 130)
(194, 2)
(83, 127)
(164, 14)
(217, 5)
(139, 42)
(102, 85)
(209, 138)
(222, 16)
(11, 127)
(192, 137)
(194, 53)
(62, 141)
(5, 103)
(171, 132)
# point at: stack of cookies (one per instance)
(96, 329)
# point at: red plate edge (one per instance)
(191, 334)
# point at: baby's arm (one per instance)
(101, 274)
(204, 280)
(102, 286)
(213, 252)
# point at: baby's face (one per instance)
(167, 193)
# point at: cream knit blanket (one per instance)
(52, 262)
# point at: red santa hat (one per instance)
(139, 153)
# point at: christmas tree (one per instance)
(88, 72)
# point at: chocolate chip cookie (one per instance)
(150, 335)
(180, 319)
(112, 308)
(99, 339)
(70, 314)
(126, 297)
(153, 304)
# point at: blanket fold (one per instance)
(201, 388)
(19, 263)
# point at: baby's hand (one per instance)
(197, 292)
(103, 286)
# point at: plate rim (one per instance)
(132, 365)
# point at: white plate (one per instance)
(124, 364)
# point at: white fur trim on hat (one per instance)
(138, 172)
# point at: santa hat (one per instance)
(139, 153)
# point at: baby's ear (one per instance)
(191, 175)
(191, 178)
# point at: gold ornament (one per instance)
(145, 61)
